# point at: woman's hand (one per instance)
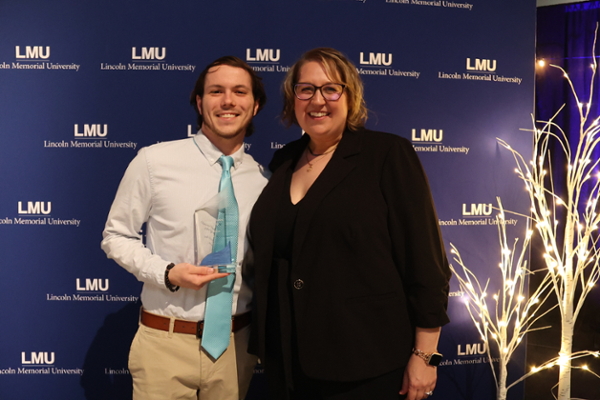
(419, 379)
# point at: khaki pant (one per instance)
(166, 365)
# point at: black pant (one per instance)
(384, 387)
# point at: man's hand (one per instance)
(193, 277)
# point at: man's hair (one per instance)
(258, 90)
(340, 70)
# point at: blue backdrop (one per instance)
(85, 84)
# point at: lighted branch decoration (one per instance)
(572, 252)
(512, 313)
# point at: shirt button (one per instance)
(298, 284)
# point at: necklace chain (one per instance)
(313, 154)
(317, 156)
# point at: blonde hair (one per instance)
(338, 68)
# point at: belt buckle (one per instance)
(199, 329)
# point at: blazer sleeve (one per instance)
(416, 238)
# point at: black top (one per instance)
(280, 347)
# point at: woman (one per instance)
(350, 271)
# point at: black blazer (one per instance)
(368, 262)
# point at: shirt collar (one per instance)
(212, 153)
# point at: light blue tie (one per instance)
(217, 317)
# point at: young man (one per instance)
(164, 187)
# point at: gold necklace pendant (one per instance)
(318, 157)
(308, 162)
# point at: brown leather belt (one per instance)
(193, 328)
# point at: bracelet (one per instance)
(432, 359)
(168, 284)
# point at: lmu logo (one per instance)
(472, 349)
(376, 59)
(91, 130)
(37, 358)
(477, 209)
(35, 207)
(92, 285)
(33, 52)
(263, 55)
(481, 65)
(427, 135)
(149, 53)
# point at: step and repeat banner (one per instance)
(85, 84)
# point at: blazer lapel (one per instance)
(341, 164)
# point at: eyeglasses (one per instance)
(330, 91)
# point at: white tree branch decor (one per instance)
(513, 313)
(567, 224)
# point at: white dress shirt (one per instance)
(163, 186)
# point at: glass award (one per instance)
(207, 220)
